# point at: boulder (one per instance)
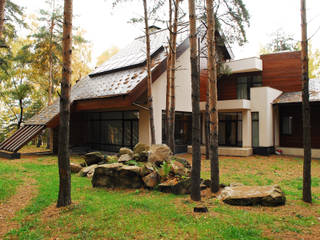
(140, 147)
(185, 163)
(253, 195)
(176, 186)
(159, 153)
(143, 156)
(147, 169)
(125, 158)
(235, 184)
(125, 150)
(151, 180)
(75, 167)
(112, 159)
(117, 175)
(178, 169)
(84, 171)
(94, 158)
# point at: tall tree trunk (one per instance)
(173, 48)
(21, 113)
(305, 108)
(50, 85)
(206, 125)
(50, 81)
(2, 6)
(167, 116)
(149, 78)
(212, 85)
(195, 82)
(64, 198)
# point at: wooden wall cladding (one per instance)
(227, 87)
(203, 85)
(295, 139)
(282, 71)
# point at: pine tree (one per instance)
(149, 78)
(64, 198)
(195, 82)
(305, 108)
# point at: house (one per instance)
(109, 106)
(260, 106)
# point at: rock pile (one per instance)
(156, 168)
(152, 167)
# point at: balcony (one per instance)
(230, 105)
(253, 64)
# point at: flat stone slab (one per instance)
(253, 195)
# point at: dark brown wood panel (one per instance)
(282, 71)
(227, 87)
(295, 139)
(203, 85)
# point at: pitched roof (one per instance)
(296, 97)
(117, 76)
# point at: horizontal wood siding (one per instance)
(203, 85)
(295, 139)
(282, 71)
(227, 87)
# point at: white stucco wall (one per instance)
(245, 65)
(183, 98)
(261, 101)
(144, 132)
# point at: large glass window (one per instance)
(230, 129)
(183, 128)
(244, 83)
(286, 125)
(110, 131)
(255, 129)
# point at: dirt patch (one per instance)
(17, 202)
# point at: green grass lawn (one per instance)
(142, 214)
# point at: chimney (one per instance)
(153, 28)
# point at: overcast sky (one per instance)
(106, 27)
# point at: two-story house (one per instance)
(259, 103)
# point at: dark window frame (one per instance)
(98, 143)
(290, 123)
(237, 120)
(253, 119)
(183, 114)
(252, 80)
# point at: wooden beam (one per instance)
(9, 155)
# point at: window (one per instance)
(111, 130)
(286, 125)
(255, 129)
(244, 83)
(230, 129)
(183, 128)
(242, 88)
